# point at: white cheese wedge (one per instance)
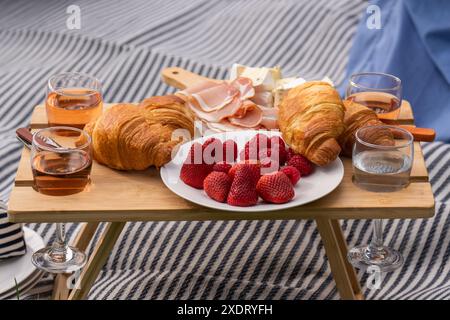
(264, 78)
(326, 79)
(283, 86)
(268, 84)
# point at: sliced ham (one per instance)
(231, 106)
(245, 87)
(227, 111)
(246, 106)
(269, 123)
(270, 118)
(215, 98)
(263, 98)
(251, 119)
(224, 125)
(269, 112)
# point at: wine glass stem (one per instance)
(376, 249)
(60, 252)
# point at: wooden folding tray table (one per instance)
(117, 197)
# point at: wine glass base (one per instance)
(73, 260)
(386, 259)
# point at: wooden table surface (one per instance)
(142, 196)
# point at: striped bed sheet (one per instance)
(125, 44)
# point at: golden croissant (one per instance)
(311, 119)
(130, 137)
(358, 116)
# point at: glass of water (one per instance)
(383, 167)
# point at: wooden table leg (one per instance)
(98, 258)
(81, 241)
(343, 272)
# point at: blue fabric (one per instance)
(413, 44)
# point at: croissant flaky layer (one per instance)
(356, 117)
(130, 137)
(311, 120)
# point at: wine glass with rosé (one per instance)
(61, 161)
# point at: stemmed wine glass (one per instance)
(61, 161)
(380, 168)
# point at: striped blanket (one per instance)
(125, 44)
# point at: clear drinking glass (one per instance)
(73, 99)
(380, 168)
(380, 92)
(61, 161)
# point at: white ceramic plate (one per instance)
(317, 185)
(24, 286)
(20, 268)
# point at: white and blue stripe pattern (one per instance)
(125, 44)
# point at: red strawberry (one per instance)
(274, 153)
(261, 140)
(277, 141)
(243, 188)
(217, 185)
(254, 166)
(194, 174)
(290, 153)
(222, 167)
(269, 165)
(212, 151)
(282, 153)
(230, 151)
(209, 141)
(194, 169)
(292, 174)
(275, 188)
(248, 153)
(303, 165)
(232, 171)
(195, 154)
(254, 146)
(265, 153)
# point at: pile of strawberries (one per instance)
(266, 169)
